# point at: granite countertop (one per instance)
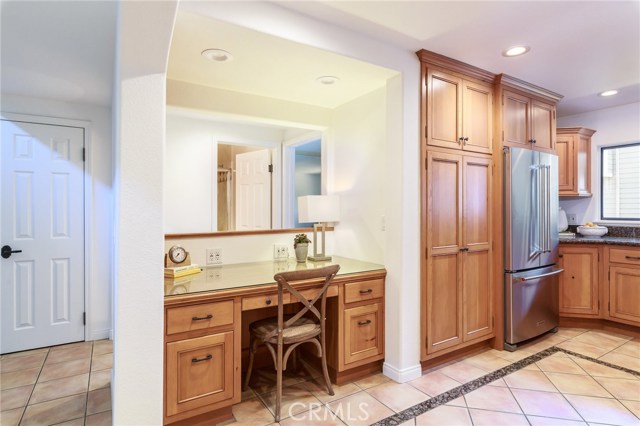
(616, 241)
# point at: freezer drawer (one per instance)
(531, 303)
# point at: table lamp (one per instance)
(318, 209)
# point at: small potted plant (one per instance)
(301, 246)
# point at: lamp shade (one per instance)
(318, 208)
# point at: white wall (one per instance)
(99, 165)
(613, 126)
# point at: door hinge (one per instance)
(609, 307)
(426, 164)
(270, 168)
(493, 321)
(609, 275)
(84, 318)
(84, 154)
(503, 136)
(425, 132)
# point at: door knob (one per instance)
(6, 252)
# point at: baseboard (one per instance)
(404, 375)
(101, 334)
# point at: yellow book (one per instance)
(171, 273)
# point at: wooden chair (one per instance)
(293, 330)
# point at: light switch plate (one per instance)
(571, 218)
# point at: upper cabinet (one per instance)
(573, 146)
(528, 115)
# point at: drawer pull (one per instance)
(267, 302)
(206, 358)
(208, 317)
(632, 257)
(366, 322)
(367, 291)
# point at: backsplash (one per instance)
(616, 231)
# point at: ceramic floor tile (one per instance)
(69, 354)
(15, 397)
(75, 422)
(577, 385)
(492, 398)
(100, 379)
(570, 332)
(583, 348)
(317, 416)
(545, 404)
(622, 360)
(633, 406)
(458, 402)
(487, 363)
(318, 388)
(495, 418)
(59, 388)
(373, 380)
(264, 380)
(99, 401)
(445, 415)
(102, 347)
(518, 355)
(397, 396)
(600, 339)
(11, 417)
(547, 421)
(598, 370)
(531, 380)
(360, 409)
(295, 399)
(532, 367)
(100, 419)
(55, 411)
(102, 362)
(252, 410)
(602, 410)
(499, 383)
(24, 353)
(543, 343)
(631, 348)
(434, 383)
(22, 363)
(64, 369)
(462, 372)
(621, 388)
(18, 378)
(71, 346)
(560, 365)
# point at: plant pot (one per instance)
(301, 252)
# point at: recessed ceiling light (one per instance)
(217, 55)
(609, 93)
(327, 80)
(516, 51)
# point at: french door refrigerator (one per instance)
(531, 244)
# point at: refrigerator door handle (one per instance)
(535, 277)
(548, 169)
(535, 223)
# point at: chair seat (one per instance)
(303, 328)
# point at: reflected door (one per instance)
(253, 190)
(42, 286)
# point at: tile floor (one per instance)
(68, 385)
(558, 390)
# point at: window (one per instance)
(620, 184)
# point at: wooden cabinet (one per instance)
(623, 273)
(363, 332)
(527, 122)
(458, 293)
(573, 146)
(579, 283)
(459, 112)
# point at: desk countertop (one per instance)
(240, 275)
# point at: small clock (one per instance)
(177, 256)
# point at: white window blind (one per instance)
(620, 171)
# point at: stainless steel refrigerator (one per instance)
(531, 244)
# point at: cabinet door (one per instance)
(444, 223)
(363, 332)
(477, 129)
(477, 294)
(582, 157)
(444, 111)
(566, 174)
(579, 281)
(199, 372)
(624, 293)
(543, 126)
(515, 114)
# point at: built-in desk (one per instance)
(207, 316)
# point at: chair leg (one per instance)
(294, 360)
(279, 382)
(324, 366)
(252, 351)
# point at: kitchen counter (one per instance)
(616, 241)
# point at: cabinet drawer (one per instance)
(363, 332)
(310, 293)
(198, 317)
(263, 301)
(365, 290)
(199, 372)
(626, 255)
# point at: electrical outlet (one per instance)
(280, 251)
(571, 218)
(214, 256)
(214, 274)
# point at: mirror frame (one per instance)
(236, 233)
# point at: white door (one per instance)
(42, 219)
(253, 190)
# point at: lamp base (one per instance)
(319, 258)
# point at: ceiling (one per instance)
(65, 49)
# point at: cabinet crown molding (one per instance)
(432, 58)
(573, 130)
(516, 83)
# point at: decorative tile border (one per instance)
(461, 390)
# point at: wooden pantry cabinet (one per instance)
(573, 146)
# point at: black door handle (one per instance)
(6, 252)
